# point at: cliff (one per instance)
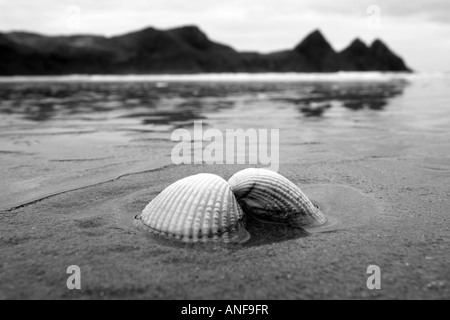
(180, 50)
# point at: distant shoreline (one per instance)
(231, 77)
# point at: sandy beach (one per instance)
(373, 154)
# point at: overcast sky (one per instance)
(418, 30)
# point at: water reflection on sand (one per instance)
(153, 104)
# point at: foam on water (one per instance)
(233, 77)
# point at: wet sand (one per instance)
(386, 192)
(404, 230)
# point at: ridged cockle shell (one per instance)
(269, 196)
(200, 208)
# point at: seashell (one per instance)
(200, 208)
(270, 197)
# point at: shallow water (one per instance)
(59, 134)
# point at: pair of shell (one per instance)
(206, 208)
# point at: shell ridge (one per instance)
(224, 223)
(187, 209)
(223, 209)
(191, 221)
(218, 210)
(182, 196)
(291, 206)
(185, 224)
(292, 193)
(200, 214)
(149, 209)
(208, 212)
(267, 193)
(265, 201)
(155, 207)
(161, 211)
(175, 201)
(253, 184)
(271, 196)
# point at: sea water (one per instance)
(63, 133)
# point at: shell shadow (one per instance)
(263, 233)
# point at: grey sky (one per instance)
(417, 30)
